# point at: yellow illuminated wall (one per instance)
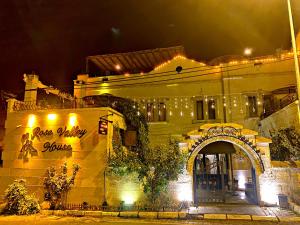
(90, 151)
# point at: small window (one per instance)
(252, 103)
(199, 108)
(162, 112)
(150, 112)
(211, 110)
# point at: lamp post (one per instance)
(295, 53)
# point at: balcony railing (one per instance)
(288, 99)
(279, 104)
(86, 102)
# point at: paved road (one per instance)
(52, 220)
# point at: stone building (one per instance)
(222, 112)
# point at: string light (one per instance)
(167, 62)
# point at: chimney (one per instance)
(31, 85)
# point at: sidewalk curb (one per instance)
(168, 215)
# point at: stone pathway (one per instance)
(241, 210)
(278, 212)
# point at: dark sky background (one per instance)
(53, 37)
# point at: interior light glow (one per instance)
(241, 180)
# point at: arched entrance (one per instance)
(211, 165)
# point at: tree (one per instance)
(57, 185)
(156, 167)
(18, 201)
(163, 163)
(285, 145)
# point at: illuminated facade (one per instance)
(181, 96)
(217, 110)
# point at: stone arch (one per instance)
(255, 147)
(250, 152)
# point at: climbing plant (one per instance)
(285, 145)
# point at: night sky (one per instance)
(53, 37)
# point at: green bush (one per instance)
(57, 185)
(18, 201)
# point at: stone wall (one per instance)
(286, 117)
(279, 179)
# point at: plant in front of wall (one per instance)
(285, 145)
(18, 201)
(58, 184)
(162, 164)
(155, 168)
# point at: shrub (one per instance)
(285, 145)
(57, 185)
(18, 201)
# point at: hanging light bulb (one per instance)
(224, 104)
(213, 106)
(192, 114)
(170, 113)
(247, 103)
(138, 113)
(258, 102)
(181, 113)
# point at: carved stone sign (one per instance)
(38, 133)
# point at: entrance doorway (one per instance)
(223, 173)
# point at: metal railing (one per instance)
(278, 105)
(125, 207)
